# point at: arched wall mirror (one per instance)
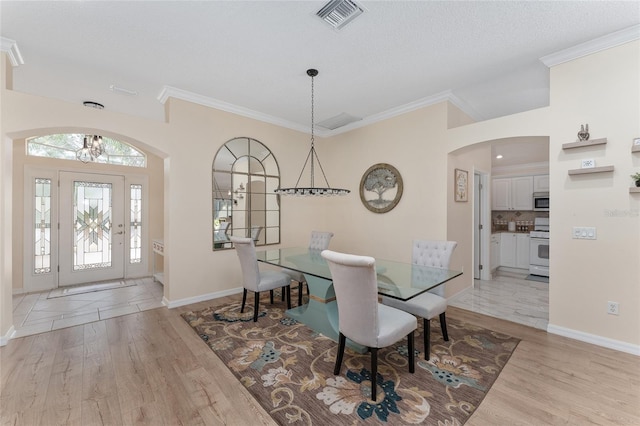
(245, 174)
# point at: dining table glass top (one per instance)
(395, 279)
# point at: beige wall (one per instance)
(601, 89)
(460, 215)
(6, 147)
(413, 143)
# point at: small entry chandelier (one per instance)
(312, 158)
(92, 148)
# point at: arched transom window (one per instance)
(65, 147)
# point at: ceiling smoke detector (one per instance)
(339, 13)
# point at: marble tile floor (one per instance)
(509, 297)
(35, 313)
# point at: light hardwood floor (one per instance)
(151, 368)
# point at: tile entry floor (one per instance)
(35, 313)
(509, 297)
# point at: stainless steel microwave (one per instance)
(541, 201)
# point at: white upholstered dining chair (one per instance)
(256, 280)
(319, 241)
(436, 254)
(360, 317)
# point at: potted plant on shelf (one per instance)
(636, 178)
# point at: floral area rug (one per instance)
(288, 368)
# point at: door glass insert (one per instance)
(42, 222)
(135, 232)
(92, 226)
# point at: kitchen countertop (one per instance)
(504, 231)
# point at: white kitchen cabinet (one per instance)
(541, 183)
(495, 251)
(501, 194)
(512, 193)
(522, 251)
(508, 249)
(514, 250)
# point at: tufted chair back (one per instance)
(436, 254)
(320, 240)
(356, 287)
(248, 262)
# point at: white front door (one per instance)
(92, 228)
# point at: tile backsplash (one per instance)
(524, 219)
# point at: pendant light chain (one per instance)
(313, 149)
(312, 190)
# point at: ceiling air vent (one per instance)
(338, 121)
(339, 13)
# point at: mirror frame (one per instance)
(243, 171)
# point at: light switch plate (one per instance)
(588, 164)
(584, 233)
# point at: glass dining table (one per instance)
(398, 280)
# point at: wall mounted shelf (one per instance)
(581, 144)
(634, 189)
(600, 169)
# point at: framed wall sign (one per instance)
(381, 188)
(461, 185)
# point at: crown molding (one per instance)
(445, 96)
(593, 46)
(173, 92)
(10, 47)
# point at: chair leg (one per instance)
(342, 340)
(256, 305)
(271, 296)
(288, 297)
(299, 294)
(244, 299)
(443, 326)
(412, 355)
(282, 293)
(374, 373)
(426, 335)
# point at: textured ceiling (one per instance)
(253, 55)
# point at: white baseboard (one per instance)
(593, 339)
(5, 339)
(209, 296)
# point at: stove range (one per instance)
(539, 234)
(539, 247)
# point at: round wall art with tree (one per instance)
(381, 188)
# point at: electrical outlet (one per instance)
(584, 233)
(613, 308)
